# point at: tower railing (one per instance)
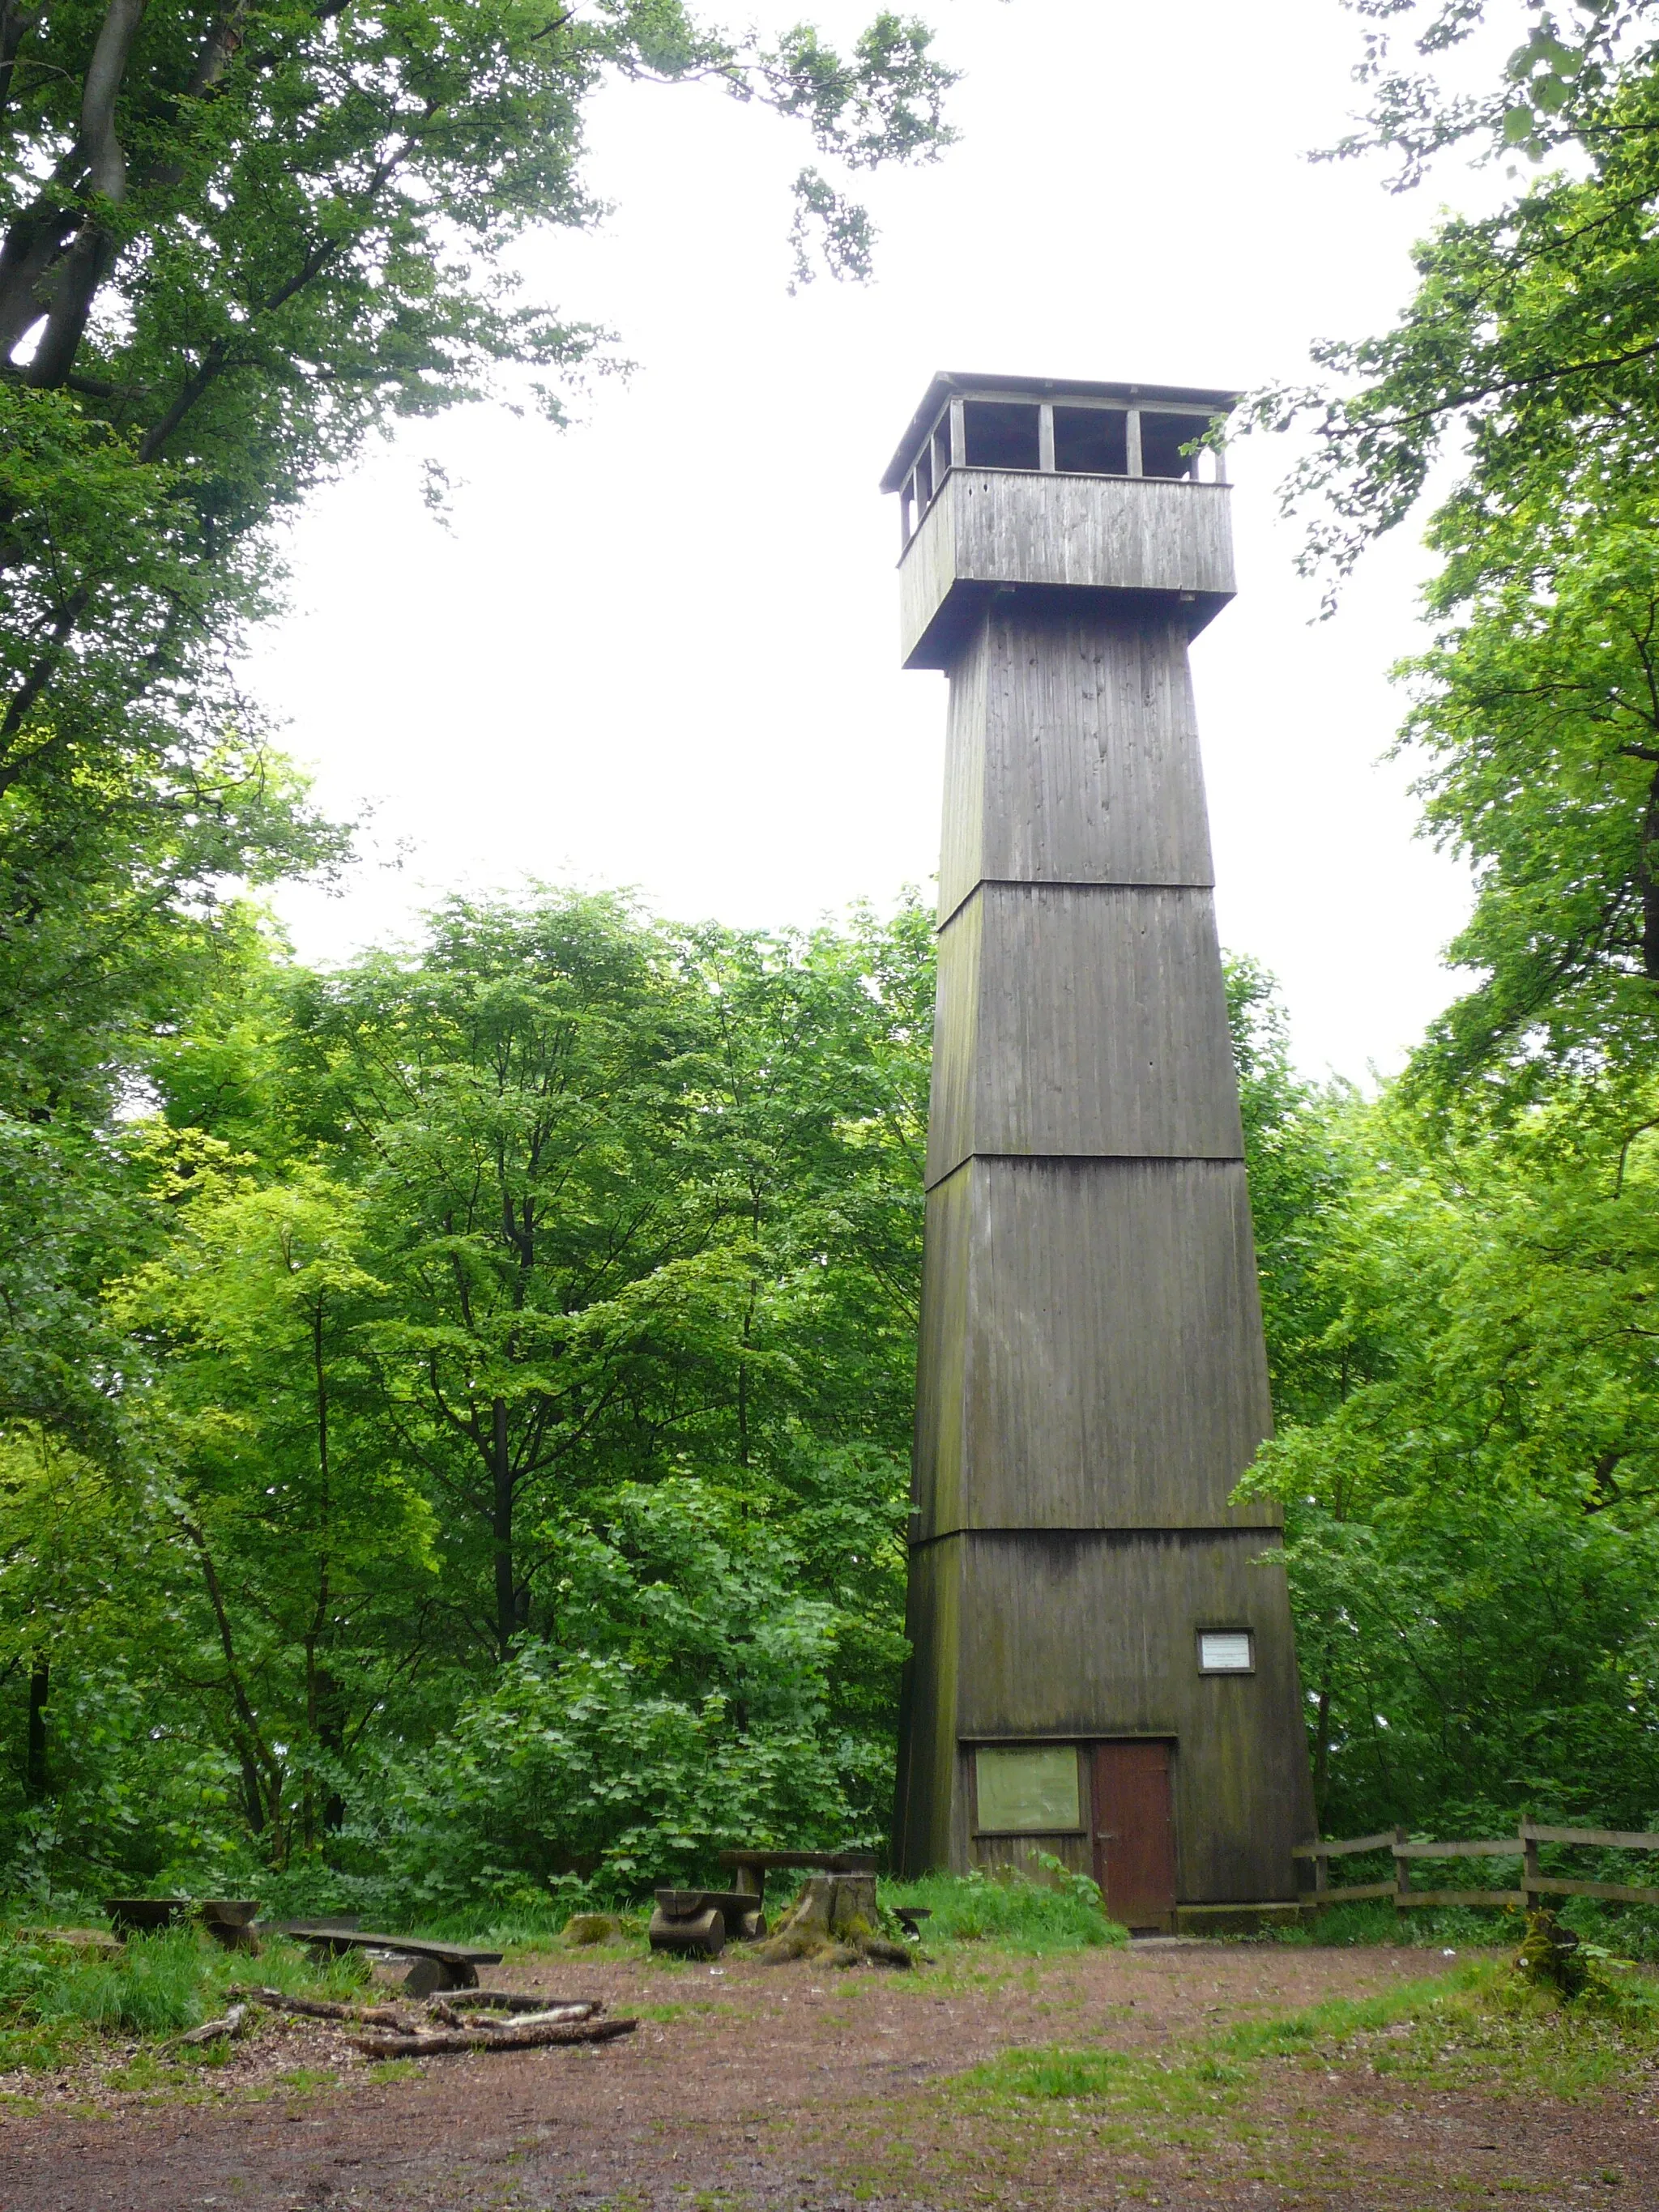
(952, 443)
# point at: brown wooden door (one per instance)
(1134, 1832)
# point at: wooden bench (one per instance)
(751, 1868)
(705, 1920)
(436, 1965)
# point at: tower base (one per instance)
(1087, 1643)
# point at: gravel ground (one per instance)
(788, 2090)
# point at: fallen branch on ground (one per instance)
(325, 2008)
(520, 2035)
(234, 2023)
(516, 2000)
(454, 2014)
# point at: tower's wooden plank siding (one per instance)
(1031, 1636)
(1081, 1019)
(1146, 533)
(1093, 1377)
(1092, 1349)
(1114, 1621)
(990, 526)
(1072, 752)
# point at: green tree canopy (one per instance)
(1525, 352)
(1471, 1532)
(1523, 361)
(1537, 712)
(520, 1337)
(236, 239)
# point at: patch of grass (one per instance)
(1124, 2087)
(145, 2070)
(303, 2079)
(54, 1999)
(1013, 1912)
(393, 2069)
(1631, 1931)
(1338, 2019)
(1475, 2028)
(290, 1968)
(152, 1986)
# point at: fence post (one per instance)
(1402, 1872)
(1529, 1868)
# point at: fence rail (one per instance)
(1523, 1845)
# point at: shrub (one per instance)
(582, 1767)
(1063, 1913)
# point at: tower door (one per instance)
(1134, 1832)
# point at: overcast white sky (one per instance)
(659, 648)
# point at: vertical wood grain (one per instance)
(1071, 754)
(1081, 1020)
(1093, 1380)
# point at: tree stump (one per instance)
(835, 1920)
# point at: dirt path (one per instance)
(768, 2087)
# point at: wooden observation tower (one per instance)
(1101, 1668)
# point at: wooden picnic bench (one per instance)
(706, 1920)
(456, 1963)
(751, 1868)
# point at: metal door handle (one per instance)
(1105, 1835)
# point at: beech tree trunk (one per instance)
(35, 1773)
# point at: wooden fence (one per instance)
(1523, 1846)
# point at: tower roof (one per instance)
(948, 381)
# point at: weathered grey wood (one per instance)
(1067, 396)
(703, 1933)
(1040, 1634)
(1081, 1019)
(1123, 535)
(1507, 1848)
(1617, 1892)
(751, 1869)
(1613, 1839)
(1415, 1899)
(1134, 430)
(459, 1960)
(1101, 533)
(1024, 1854)
(1530, 1831)
(1384, 1842)
(1071, 753)
(951, 385)
(1093, 1380)
(1357, 1892)
(1091, 1352)
(509, 2036)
